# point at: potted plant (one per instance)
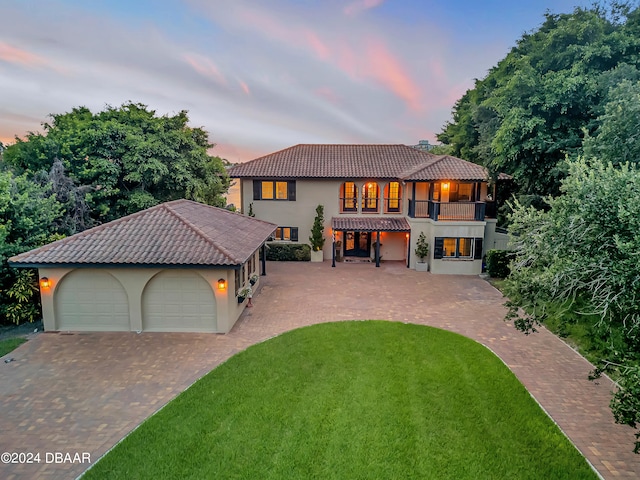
(317, 237)
(422, 252)
(243, 293)
(253, 279)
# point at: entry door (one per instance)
(357, 244)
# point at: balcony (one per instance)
(452, 211)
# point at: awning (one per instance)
(370, 224)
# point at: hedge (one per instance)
(288, 252)
(498, 263)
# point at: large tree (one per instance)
(533, 109)
(127, 158)
(28, 211)
(580, 259)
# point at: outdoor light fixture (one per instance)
(445, 186)
(44, 282)
(222, 284)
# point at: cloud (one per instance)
(205, 67)
(361, 5)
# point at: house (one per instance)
(377, 200)
(175, 267)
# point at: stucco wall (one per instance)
(134, 281)
(301, 212)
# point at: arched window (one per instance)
(370, 196)
(392, 197)
(348, 197)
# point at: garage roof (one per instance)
(177, 233)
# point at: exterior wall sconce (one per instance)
(222, 284)
(44, 282)
(445, 186)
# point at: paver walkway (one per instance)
(84, 392)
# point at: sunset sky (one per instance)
(259, 75)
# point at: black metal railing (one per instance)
(439, 211)
(348, 204)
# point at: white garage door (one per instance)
(178, 301)
(91, 300)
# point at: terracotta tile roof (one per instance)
(175, 233)
(370, 224)
(334, 161)
(446, 167)
(359, 161)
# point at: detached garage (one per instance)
(176, 267)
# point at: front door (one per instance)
(357, 244)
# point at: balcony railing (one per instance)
(348, 204)
(439, 211)
(392, 205)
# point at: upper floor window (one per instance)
(370, 196)
(348, 197)
(274, 190)
(392, 197)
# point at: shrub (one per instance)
(422, 247)
(317, 231)
(498, 263)
(288, 252)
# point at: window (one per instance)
(251, 264)
(238, 282)
(349, 197)
(464, 192)
(461, 247)
(370, 197)
(274, 190)
(286, 233)
(392, 194)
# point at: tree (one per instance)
(317, 230)
(28, 210)
(536, 105)
(617, 139)
(580, 258)
(127, 158)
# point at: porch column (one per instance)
(333, 248)
(264, 259)
(378, 250)
(408, 249)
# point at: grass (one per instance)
(10, 344)
(351, 400)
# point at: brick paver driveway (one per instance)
(84, 392)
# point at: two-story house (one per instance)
(377, 200)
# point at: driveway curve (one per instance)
(71, 397)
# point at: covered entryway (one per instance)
(357, 244)
(91, 300)
(178, 301)
(360, 234)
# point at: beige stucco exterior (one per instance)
(394, 245)
(134, 281)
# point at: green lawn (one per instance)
(10, 344)
(351, 400)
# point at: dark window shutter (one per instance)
(294, 234)
(477, 254)
(291, 190)
(257, 189)
(438, 247)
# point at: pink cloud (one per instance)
(204, 66)
(364, 59)
(11, 54)
(361, 5)
(327, 94)
(244, 87)
(387, 70)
